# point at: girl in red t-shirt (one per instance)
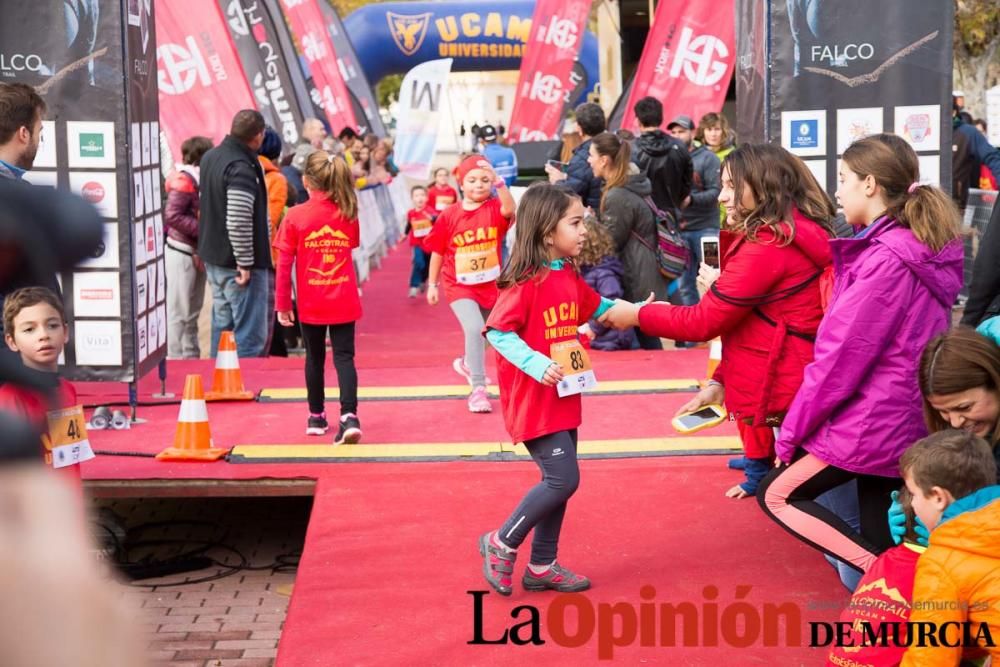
(542, 369)
(465, 254)
(440, 195)
(318, 237)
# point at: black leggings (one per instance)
(788, 496)
(544, 505)
(342, 342)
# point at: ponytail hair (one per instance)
(330, 173)
(926, 210)
(620, 153)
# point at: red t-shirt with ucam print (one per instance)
(34, 406)
(469, 243)
(420, 223)
(542, 312)
(319, 240)
(439, 198)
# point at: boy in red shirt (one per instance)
(419, 221)
(465, 253)
(318, 237)
(34, 325)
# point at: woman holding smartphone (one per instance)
(765, 304)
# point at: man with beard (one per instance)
(21, 111)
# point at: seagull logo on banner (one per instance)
(872, 77)
(408, 31)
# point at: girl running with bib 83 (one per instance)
(465, 246)
(542, 370)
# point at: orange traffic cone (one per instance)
(193, 441)
(714, 356)
(227, 382)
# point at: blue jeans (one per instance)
(843, 501)
(421, 264)
(247, 311)
(688, 281)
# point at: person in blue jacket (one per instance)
(503, 158)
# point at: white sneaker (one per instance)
(413, 292)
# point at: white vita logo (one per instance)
(697, 57)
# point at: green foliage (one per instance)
(977, 26)
(387, 90)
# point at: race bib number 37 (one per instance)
(474, 267)
(578, 376)
(67, 438)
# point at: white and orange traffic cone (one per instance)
(714, 356)
(193, 440)
(227, 381)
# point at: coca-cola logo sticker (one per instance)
(99, 188)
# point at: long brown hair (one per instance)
(620, 154)
(331, 174)
(953, 362)
(928, 212)
(779, 182)
(538, 214)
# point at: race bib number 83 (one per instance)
(578, 375)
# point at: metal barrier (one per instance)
(977, 217)
(382, 218)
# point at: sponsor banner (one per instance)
(201, 81)
(687, 60)
(270, 76)
(547, 81)
(96, 294)
(91, 145)
(420, 97)
(354, 76)
(834, 72)
(98, 343)
(98, 188)
(315, 45)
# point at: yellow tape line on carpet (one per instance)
(403, 451)
(462, 390)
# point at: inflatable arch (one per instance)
(394, 37)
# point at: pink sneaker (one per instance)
(479, 401)
(463, 370)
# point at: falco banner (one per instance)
(420, 99)
(315, 45)
(834, 72)
(687, 61)
(202, 84)
(272, 78)
(548, 80)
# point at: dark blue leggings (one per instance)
(421, 265)
(544, 505)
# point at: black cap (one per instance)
(682, 121)
(488, 133)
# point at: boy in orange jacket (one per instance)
(952, 476)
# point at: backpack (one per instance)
(671, 250)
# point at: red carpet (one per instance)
(391, 553)
(391, 548)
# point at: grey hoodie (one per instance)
(632, 225)
(703, 212)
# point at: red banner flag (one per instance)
(687, 61)
(309, 28)
(201, 81)
(545, 83)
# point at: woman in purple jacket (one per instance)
(859, 406)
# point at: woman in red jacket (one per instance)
(765, 304)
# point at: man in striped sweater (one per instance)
(234, 237)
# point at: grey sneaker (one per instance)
(498, 565)
(556, 578)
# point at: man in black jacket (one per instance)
(664, 159)
(578, 175)
(234, 237)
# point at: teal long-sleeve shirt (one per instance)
(513, 348)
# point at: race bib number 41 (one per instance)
(578, 376)
(66, 440)
(474, 267)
